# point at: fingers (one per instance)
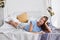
(46, 22)
(42, 32)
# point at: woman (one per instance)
(35, 26)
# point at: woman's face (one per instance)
(41, 21)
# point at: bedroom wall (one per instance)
(12, 6)
(1, 16)
(40, 6)
(56, 8)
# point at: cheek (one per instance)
(41, 22)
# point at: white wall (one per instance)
(37, 6)
(12, 6)
(1, 16)
(56, 8)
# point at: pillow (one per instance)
(23, 17)
(11, 18)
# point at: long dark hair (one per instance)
(43, 27)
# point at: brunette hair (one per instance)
(43, 27)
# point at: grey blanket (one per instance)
(55, 35)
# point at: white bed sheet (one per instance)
(7, 32)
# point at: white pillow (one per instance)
(11, 18)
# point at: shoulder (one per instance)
(33, 21)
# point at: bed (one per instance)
(7, 32)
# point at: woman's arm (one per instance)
(49, 29)
(31, 27)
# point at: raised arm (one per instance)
(31, 27)
(49, 29)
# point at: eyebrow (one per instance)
(43, 20)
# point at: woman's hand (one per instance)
(48, 28)
(42, 32)
(46, 23)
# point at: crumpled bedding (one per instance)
(55, 35)
(7, 32)
(19, 35)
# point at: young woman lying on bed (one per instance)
(35, 26)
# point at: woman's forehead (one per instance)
(42, 19)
